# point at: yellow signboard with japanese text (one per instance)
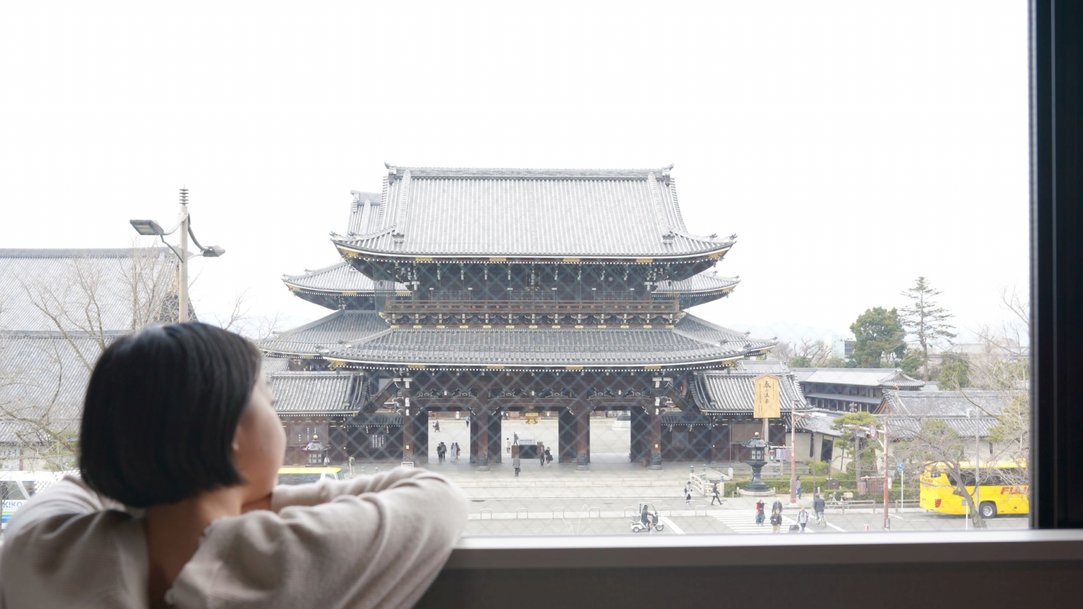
(765, 403)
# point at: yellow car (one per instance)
(304, 475)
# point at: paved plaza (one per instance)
(559, 499)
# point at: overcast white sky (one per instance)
(852, 146)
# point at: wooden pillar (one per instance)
(408, 431)
(482, 418)
(655, 447)
(719, 440)
(582, 425)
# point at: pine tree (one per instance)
(925, 321)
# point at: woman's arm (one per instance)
(372, 542)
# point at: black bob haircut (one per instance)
(161, 410)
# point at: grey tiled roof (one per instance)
(327, 332)
(703, 282)
(907, 410)
(316, 392)
(341, 277)
(63, 281)
(363, 211)
(887, 378)
(529, 212)
(732, 390)
(946, 403)
(364, 338)
(43, 378)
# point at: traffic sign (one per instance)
(899, 467)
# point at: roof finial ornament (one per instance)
(665, 173)
(356, 196)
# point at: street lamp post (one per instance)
(793, 451)
(150, 228)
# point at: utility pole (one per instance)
(793, 453)
(887, 470)
(182, 316)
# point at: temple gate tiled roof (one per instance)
(557, 213)
(365, 339)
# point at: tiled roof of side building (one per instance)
(967, 412)
(732, 391)
(316, 392)
(43, 380)
(865, 377)
(364, 339)
(50, 289)
(529, 212)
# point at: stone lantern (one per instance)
(757, 447)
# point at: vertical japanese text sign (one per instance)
(765, 404)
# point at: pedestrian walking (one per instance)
(467, 421)
(802, 518)
(515, 464)
(799, 488)
(515, 439)
(776, 521)
(541, 456)
(507, 444)
(759, 512)
(548, 457)
(818, 504)
(776, 506)
(454, 452)
(715, 497)
(441, 450)
(687, 494)
(436, 425)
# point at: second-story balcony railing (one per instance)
(410, 306)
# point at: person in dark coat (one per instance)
(715, 497)
(548, 456)
(776, 507)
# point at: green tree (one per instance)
(911, 361)
(878, 335)
(925, 321)
(954, 372)
(854, 427)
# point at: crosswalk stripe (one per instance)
(746, 524)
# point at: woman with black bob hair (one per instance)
(177, 503)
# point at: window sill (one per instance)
(599, 552)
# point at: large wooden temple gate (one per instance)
(574, 395)
(489, 291)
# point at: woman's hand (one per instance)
(263, 503)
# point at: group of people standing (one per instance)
(443, 451)
(776, 516)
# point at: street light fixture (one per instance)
(150, 228)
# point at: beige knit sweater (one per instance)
(373, 541)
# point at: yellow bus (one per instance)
(1002, 489)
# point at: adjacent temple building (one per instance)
(495, 291)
